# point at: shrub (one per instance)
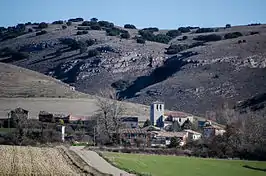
(85, 23)
(253, 33)
(93, 53)
(64, 27)
(96, 27)
(184, 29)
(28, 23)
(94, 19)
(42, 25)
(184, 37)
(76, 20)
(82, 32)
(233, 35)
(239, 41)
(121, 85)
(204, 30)
(41, 33)
(254, 24)
(30, 30)
(69, 23)
(58, 22)
(113, 31)
(162, 38)
(106, 24)
(141, 40)
(151, 29)
(129, 26)
(90, 42)
(228, 26)
(191, 27)
(125, 35)
(173, 33)
(174, 49)
(147, 35)
(84, 28)
(208, 38)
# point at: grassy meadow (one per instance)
(158, 165)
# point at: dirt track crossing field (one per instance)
(97, 162)
(18, 160)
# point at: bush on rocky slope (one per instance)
(140, 40)
(12, 32)
(174, 49)
(125, 35)
(82, 32)
(208, 38)
(233, 35)
(173, 33)
(93, 53)
(43, 25)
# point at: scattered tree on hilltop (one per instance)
(204, 30)
(129, 26)
(58, 22)
(184, 29)
(94, 19)
(173, 33)
(76, 20)
(106, 24)
(228, 26)
(43, 25)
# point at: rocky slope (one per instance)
(197, 79)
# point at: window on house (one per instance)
(179, 119)
(160, 107)
(157, 107)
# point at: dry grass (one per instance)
(17, 160)
(19, 82)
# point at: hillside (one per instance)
(202, 69)
(19, 82)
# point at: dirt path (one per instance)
(94, 160)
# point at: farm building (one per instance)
(134, 136)
(163, 138)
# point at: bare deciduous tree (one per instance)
(109, 115)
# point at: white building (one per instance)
(157, 113)
(193, 135)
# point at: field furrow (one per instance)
(19, 160)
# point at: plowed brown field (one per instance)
(18, 160)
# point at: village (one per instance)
(162, 129)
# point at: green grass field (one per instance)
(185, 166)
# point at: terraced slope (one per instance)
(199, 78)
